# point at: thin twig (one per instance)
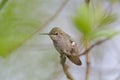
(88, 55)
(56, 14)
(47, 22)
(52, 18)
(87, 61)
(65, 67)
(97, 44)
(92, 46)
(88, 65)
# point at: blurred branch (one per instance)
(65, 67)
(118, 78)
(53, 17)
(96, 44)
(56, 13)
(3, 2)
(87, 2)
(48, 21)
(92, 46)
(88, 55)
(87, 60)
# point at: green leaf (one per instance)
(17, 23)
(105, 34)
(87, 18)
(91, 22)
(108, 19)
(20, 19)
(82, 19)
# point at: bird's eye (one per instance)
(56, 33)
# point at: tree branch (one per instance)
(56, 13)
(48, 21)
(92, 46)
(65, 67)
(87, 60)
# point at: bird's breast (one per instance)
(62, 45)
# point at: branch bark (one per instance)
(88, 66)
(87, 60)
(92, 46)
(56, 13)
(48, 21)
(65, 67)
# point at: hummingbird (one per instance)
(65, 45)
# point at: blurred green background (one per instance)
(26, 55)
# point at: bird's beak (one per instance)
(44, 34)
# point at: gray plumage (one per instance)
(64, 44)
